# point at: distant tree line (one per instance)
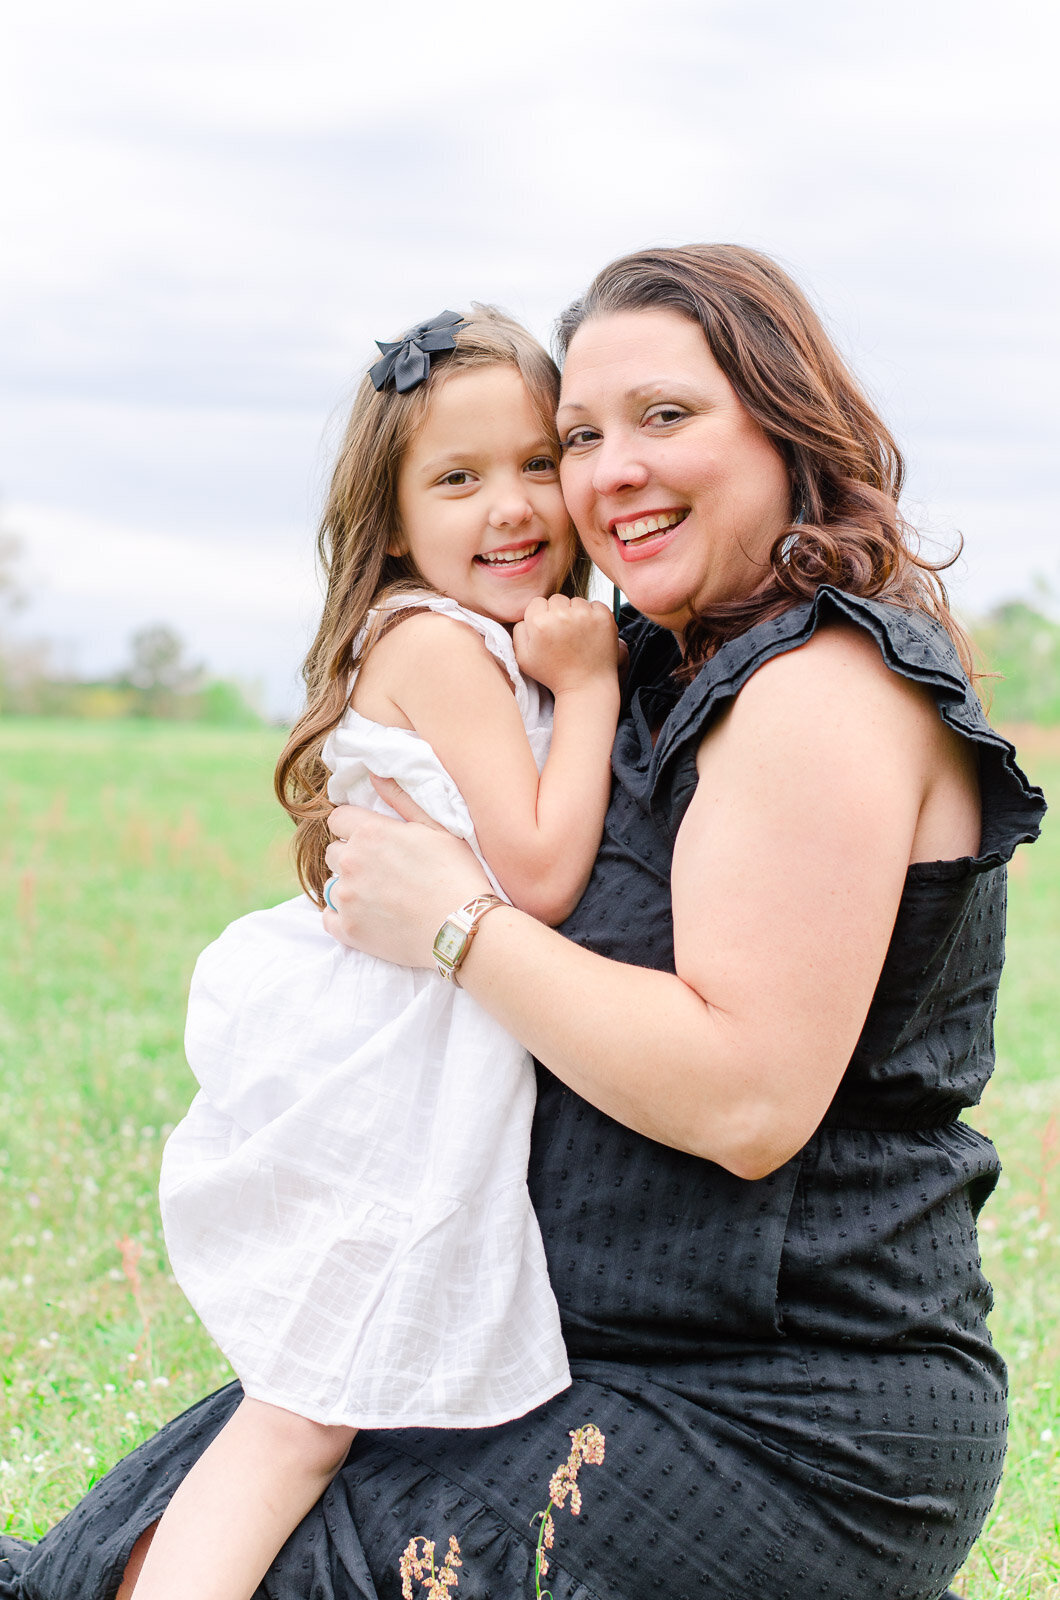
(157, 680)
(1017, 644)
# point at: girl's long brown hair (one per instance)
(357, 529)
(846, 470)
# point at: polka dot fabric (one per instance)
(794, 1376)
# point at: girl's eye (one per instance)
(579, 436)
(458, 479)
(540, 464)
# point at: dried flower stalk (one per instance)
(587, 1445)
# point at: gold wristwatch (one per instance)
(453, 939)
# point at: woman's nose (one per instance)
(617, 467)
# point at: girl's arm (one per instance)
(235, 1509)
(824, 780)
(539, 832)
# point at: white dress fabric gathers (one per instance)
(345, 1204)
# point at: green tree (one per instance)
(166, 682)
(13, 658)
(1022, 646)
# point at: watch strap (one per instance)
(453, 939)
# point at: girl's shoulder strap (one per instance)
(531, 699)
(494, 635)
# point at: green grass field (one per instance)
(125, 848)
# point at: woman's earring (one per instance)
(799, 501)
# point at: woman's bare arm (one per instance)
(816, 790)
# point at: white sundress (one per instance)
(345, 1204)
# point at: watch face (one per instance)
(449, 943)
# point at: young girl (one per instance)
(345, 1204)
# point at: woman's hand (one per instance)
(397, 881)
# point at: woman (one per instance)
(766, 1013)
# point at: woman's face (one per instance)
(677, 493)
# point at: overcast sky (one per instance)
(212, 207)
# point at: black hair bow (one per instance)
(409, 360)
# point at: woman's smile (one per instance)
(678, 494)
(635, 529)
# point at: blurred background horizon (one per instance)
(213, 209)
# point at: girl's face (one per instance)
(677, 493)
(479, 502)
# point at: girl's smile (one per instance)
(479, 502)
(513, 557)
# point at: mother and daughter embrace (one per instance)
(736, 882)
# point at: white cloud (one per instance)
(219, 204)
(69, 555)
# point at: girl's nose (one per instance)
(617, 467)
(510, 511)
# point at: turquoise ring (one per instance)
(327, 892)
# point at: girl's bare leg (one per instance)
(135, 1563)
(228, 1519)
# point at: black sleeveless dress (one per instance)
(794, 1376)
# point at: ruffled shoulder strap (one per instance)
(912, 644)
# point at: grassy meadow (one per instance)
(125, 847)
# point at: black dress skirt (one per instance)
(794, 1375)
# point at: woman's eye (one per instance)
(579, 436)
(665, 414)
(540, 464)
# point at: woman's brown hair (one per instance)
(357, 532)
(846, 470)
